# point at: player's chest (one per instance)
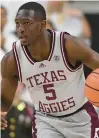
(44, 72)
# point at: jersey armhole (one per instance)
(65, 56)
(15, 54)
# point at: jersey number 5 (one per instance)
(48, 88)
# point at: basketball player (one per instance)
(50, 64)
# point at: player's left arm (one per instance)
(77, 50)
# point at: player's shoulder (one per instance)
(8, 56)
(69, 40)
(8, 63)
(68, 37)
(64, 33)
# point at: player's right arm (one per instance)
(9, 80)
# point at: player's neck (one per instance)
(41, 49)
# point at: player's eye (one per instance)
(27, 23)
(17, 23)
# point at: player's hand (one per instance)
(3, 123)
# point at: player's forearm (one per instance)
(7, 96)
(7, 102)
(8, 90)
(4, 106)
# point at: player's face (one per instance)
(28, 27)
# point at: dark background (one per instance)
(93, 20)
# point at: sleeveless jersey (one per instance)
(55, 87)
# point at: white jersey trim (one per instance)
(53, 45)
(30, 60)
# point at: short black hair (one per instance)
(36, 7)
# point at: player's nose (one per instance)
(21, 29)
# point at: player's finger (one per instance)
(2, 128)
(3, 113)
(3, 125)
(3, 120)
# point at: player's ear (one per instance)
(43, 25)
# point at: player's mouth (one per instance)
(23, 38)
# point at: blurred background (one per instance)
(79, 18)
